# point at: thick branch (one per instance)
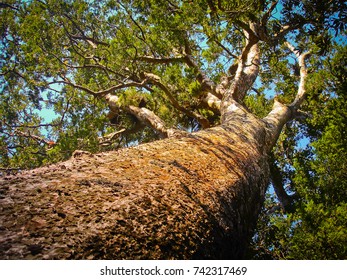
(300, 96)
(275, 120)
(277, 182)
(247, 69)
(144, 115)
(248, 65)
(280, 113)
(212, 101)
(147, 117)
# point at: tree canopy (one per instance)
(116, 73)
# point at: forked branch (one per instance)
(244, 72)
(300, 96)
(281, 113)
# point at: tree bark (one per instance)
(193, 197)
(189, 196)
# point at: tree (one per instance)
(182, 70)
(315, 227)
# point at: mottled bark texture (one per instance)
(197, 196)
(190, 196)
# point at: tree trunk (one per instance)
(194, 197)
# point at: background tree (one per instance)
(119, 73)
